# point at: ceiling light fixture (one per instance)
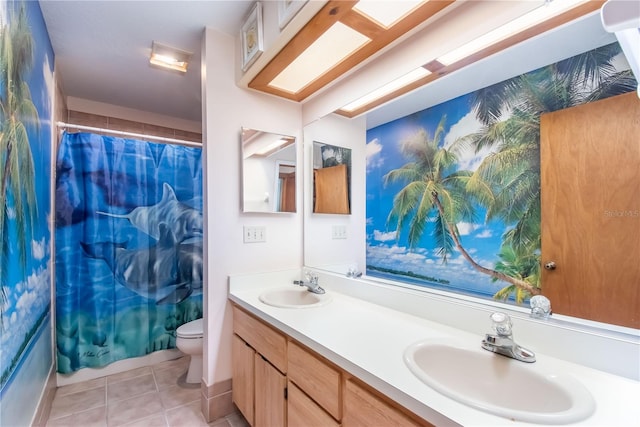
(335, 44)
(392, 86)
(169, 57)
(387, 13)
(549, 15)
(537, 16)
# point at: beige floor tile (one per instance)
(169, 376)
(186, 416)
(132, 387)
(133, 409)
(112, 379)
(96, 417)
(152, 421)
(77, 402)
(237, 420)
(222, 422)
(181, 361)
(84, 385)
(177, 396)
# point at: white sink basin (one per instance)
(497, 384)
(293, 297)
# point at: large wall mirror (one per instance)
(268, 171)
(432, 126)
(331, 179)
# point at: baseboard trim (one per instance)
(46, 400)
(216, 400)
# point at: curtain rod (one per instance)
(137, 135)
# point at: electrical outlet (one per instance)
(339, 232)
(254, 234)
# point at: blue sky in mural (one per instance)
(482, 240)
(28, 295)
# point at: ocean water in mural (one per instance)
(128, 247)
(453, 191)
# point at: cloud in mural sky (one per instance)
(382, 236)
(24, 306)
(372, 151)
(468, 159)
(466, 228)
(49, 88)
(38, 249)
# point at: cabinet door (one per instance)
(591, 210)
(243, 377)
(304, 412)
(270, 402)
(364, 409)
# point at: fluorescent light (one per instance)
(337, 43)
(169, 57)
(279, 143)
(548, 10)
(387, 13)
(396, 84)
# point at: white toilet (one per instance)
(189, 341)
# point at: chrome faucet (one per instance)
(501, 341)
(311, 282)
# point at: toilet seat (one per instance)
(191, 330)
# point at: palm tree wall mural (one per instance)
(26, 89)
(16, 163)
(453, 192)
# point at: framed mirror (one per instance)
(268, 172)
(331, 179)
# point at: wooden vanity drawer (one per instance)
(303, 412)
(265, 340)
(316, 378)
(364, 408)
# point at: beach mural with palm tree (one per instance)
(453, 191)
(26, 85)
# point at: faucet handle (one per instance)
(311, 276)
(501, 323)
(540, 307)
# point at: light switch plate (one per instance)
(254, 234)
(339, 232)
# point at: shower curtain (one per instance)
(128, 247)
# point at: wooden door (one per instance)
(243, 377)
(331, 190)
(288, 192)
(270, 402)
(590, 177)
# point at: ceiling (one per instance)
(102, 49)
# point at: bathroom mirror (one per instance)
(320, 247)
(331, 179)
(268, 172)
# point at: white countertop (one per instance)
(368, 340)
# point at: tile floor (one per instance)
(146, 396)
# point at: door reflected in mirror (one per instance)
(331, 179)
(268, 172)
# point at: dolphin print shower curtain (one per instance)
(128, 247)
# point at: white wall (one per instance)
(320, 250)
(227, 108)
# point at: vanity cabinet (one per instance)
(279, 382)
(258, 369)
